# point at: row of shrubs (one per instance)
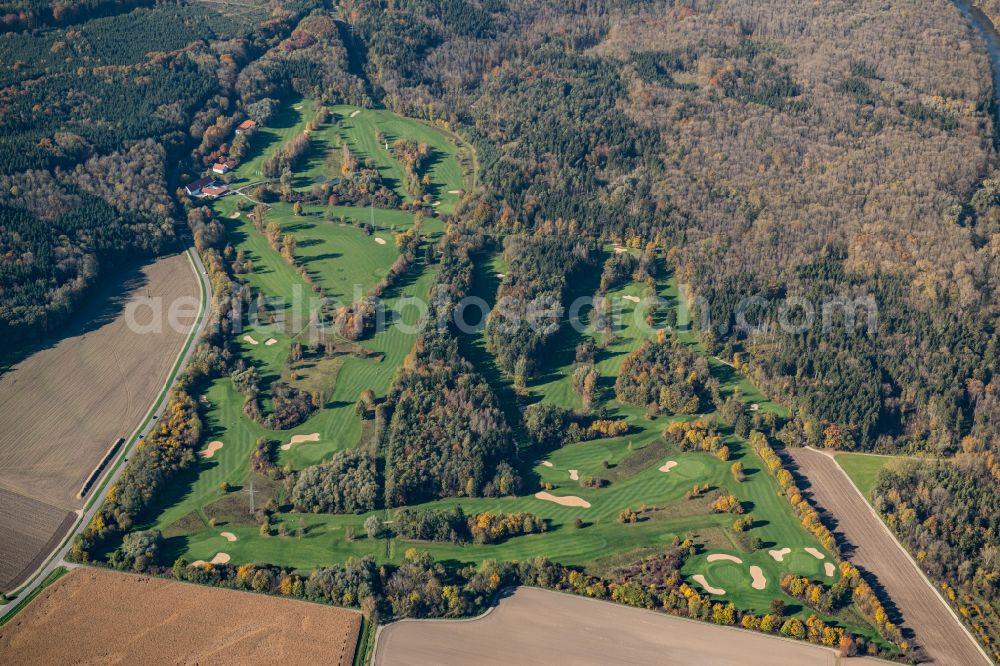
(864, 596)
(454, 526)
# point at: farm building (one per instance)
(214, 191)
(195, 188)
(224, 167)
(246, 125)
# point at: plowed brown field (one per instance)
(62, 407)
(541, 627)
(29, 530)
(101, 617)
(876, 550)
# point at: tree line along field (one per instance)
(64, 405)
(203, 518)
(629, 123)
(539, 626)
(637, 482)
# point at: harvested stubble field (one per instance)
(149, 621)
(876, 551)
(534, 626)
(62, 407)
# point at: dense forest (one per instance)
(529, 311)
(838, 155)
(664, 374)
(793, 204)
(92, 118)
(948, 513)
(446, 434)
(815, 154)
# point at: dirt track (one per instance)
(535, 626)
(876, 551)
(101, 617)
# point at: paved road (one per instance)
(938, 630)
(57, 558)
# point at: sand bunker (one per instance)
(454, 191)
(220, 558)
(270, 341)
(698, 578)
(717, 557)
(619, 249)
(574, 475)
(249, 340)
(228, 536)
(380, 241)
(545, 463)
(211, 449)
(355, 112)
(669, 465)
(436, 204)
(630, 297)
(829, 568)
(779, 555)
(501, 275)
(759, 582)
(815, 553)
(235, 215)
(568, 500)
(298, 439)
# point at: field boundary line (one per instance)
(101, 484)
(196, 330)
(905, 552)
(493, 606)
(56, 574)
(648, 611)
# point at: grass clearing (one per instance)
(863, 469)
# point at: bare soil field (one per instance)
(877, 552)
(30, 530)
(63, 407)
(103, 617)
(534, 626)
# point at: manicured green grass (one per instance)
(289, 121)
(446, 174)
(346, 262)
(444, 168)
(337, 423)
(863, 469)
